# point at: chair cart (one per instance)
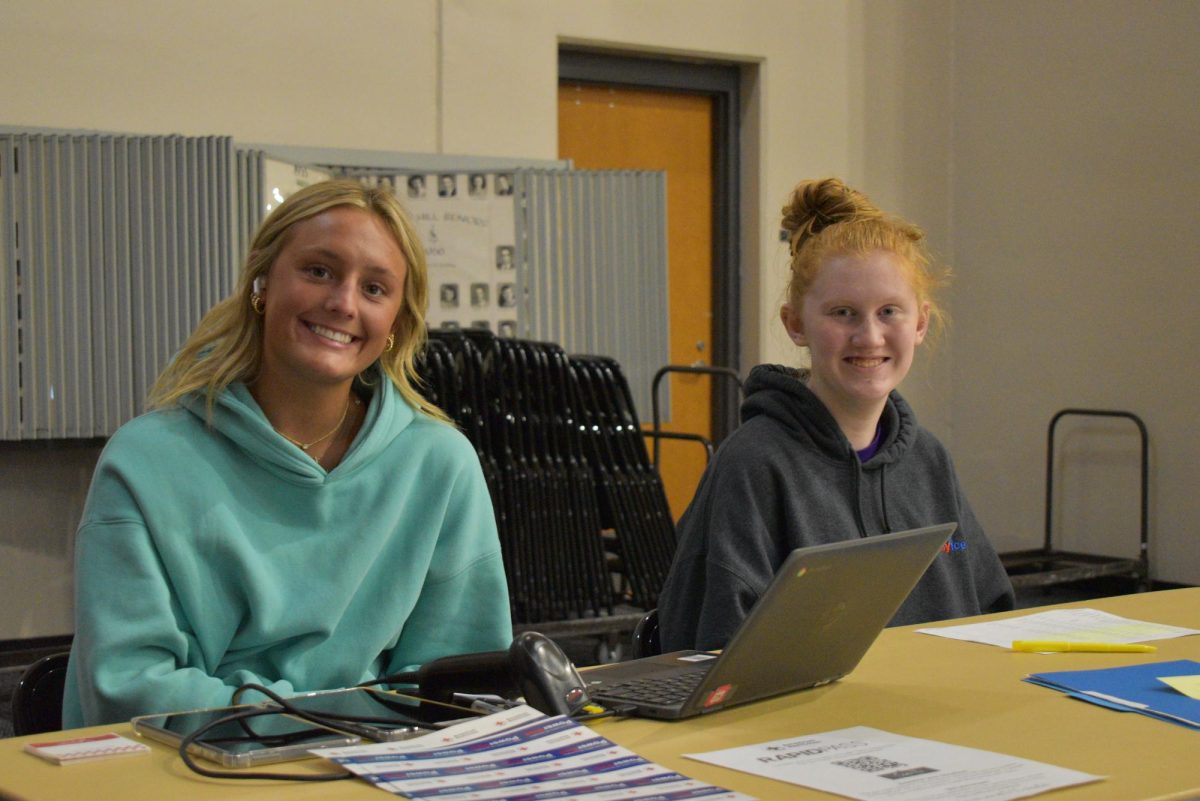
(1046, 566)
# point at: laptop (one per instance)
(812, 625)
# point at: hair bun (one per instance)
(819, 203)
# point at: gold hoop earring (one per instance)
(257, 303)
(391, 343)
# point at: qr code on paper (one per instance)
(869, 764)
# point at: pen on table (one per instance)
(1106, 647)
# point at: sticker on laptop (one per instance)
(719, 696)
(697, 657)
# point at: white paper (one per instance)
(1068, 625)
(866, 763)
(466, 222)
(517, 753)
(81, 749)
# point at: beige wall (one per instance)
(355, 72)
(1045, 149)
(1076, 200)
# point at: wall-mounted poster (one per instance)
(466, 221)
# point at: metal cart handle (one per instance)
(1144, 549)
(657, 433)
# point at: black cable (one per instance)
(343, 723)
(340, 722)
(618, 712)
(410, 677)
(188, 740)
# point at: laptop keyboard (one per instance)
(661, 690)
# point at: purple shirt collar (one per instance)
(871, 449)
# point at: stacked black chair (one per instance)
(518, 404)
(455, 369)
(633, 504)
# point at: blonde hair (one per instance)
(227, 344)
(825, 218)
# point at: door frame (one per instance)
(721, 82)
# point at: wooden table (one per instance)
(912, 684)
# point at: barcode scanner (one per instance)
(533, 667)
(545, 677)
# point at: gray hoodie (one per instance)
(789, 478)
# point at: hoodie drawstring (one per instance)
(856, 468)
(887, 525)
(858, 510)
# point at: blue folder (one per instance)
(1134, 688)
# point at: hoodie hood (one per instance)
(782, 394)
(238, 418)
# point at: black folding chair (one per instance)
(646, 636)
(515, 401)
(38, 697)
(633, 503)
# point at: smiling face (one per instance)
(332, 297)
(861, 321)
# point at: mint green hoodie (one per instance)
(212, 557)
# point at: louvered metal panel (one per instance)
(10, 365)
(592, 266)
(251, 180)
(113, 248)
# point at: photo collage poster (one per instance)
(466, 222)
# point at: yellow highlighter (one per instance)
(1055, 646)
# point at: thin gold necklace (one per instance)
(304, 446)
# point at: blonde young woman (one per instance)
(292, 512)
(834, 451)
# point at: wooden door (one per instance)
(603, 127)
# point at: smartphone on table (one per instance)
(277, 736)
